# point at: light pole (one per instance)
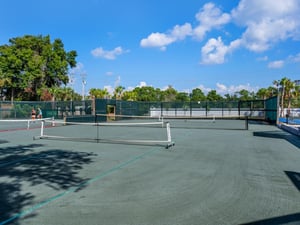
(83, 76)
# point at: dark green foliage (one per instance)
(31, 63)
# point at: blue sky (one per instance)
(221, 45)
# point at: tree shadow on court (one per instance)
(278, 134)
(294, 177)
(11, 200)
(280, 220)
(19, 149)
(22, 167)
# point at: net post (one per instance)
(28, 124)
(169, 141)
(169, 132)
(42, 127)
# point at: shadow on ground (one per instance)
(279, 134)
(57, 169)
(291, 219)
(294, 177)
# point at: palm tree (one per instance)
(296, 95)
(244, 95)
(271, 92)
(105, 93)
(285, 86)
(130, 96)
(290, 88)
(99, 93)
(54, 91)
(262, 93)
(118, 92)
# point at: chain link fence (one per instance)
(58, 110)
(254, 109)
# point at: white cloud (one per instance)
(249, 11)
(204, 89)
(261, 36)
(142, 84)
(276, 64)
(180, 32)
(267, 22)
(161, 40)
(157, 40)
(209, 17)
(111, 55)
(263, 23)
(223, 89)
(214, 51)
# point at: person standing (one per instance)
(40, 113)
(33, 114)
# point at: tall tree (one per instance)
(147, 93)
(129, 96)
(284, 85)
(244, 95)
(182, 97)
(30, 63)
(262, 93)
(231, 97)
(118, 92)
(213, 96)
(296, 95)
(197, 95)
(99, 93)
(169, 94)
(290, 92)
(271, 91)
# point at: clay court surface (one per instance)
(210, 176)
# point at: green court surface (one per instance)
(210, 176)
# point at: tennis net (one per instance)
(21, 124)
(128, 118)
(142, 133)
(208, 122)
(227, 122)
